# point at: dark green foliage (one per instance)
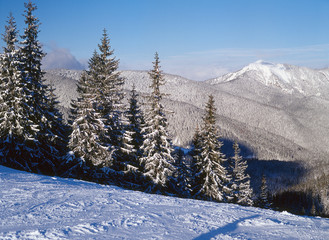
(299, 202)
(56, 134)
(196, 149)
(308, 197)
(182, 175)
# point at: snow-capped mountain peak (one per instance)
(286, 77)
(269, 73)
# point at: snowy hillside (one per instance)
(40, 207)
(272, 123)
(65, 82)
(288, 78)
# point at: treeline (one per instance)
(309, 197)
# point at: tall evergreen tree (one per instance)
(32, 55)
(41, 136)
(133, 137)
(87, 126)
(15, 126)
(242, 193)
(157, 158)
(109, 99)
(96, 114)
(211, 177)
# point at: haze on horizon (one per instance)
(195, 39)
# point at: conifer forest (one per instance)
(112, 135)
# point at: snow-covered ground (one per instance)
(40, 207)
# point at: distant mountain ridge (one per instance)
(277, 111)
(288, 78)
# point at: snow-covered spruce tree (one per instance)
(96, 114)
(84, 147)
(31, 56)
(44, 153)
(242, 193)
(109, 100)
(87, 126)
(211, 179)
(157, 149)
(133, 137)
(15, 126)
(263, 200)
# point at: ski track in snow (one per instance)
(40, 207)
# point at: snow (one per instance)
(287, 78)
(40, 207)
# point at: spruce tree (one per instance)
(157, 158)
(31, 56)
(41, 139)
(263, 200)
(87, 126)
(96, 115)
(211, 176)
(15, 126)
(133, 137)
(242, 193)
(109, 99)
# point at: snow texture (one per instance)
(40, 207)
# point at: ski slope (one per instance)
(40, 207)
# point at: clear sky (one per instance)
(198, 39)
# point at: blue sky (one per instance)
(198, 39)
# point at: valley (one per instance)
(278, 111)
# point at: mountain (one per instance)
(285, 100)
(288, 78)
(40, 207)
(275, 111)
